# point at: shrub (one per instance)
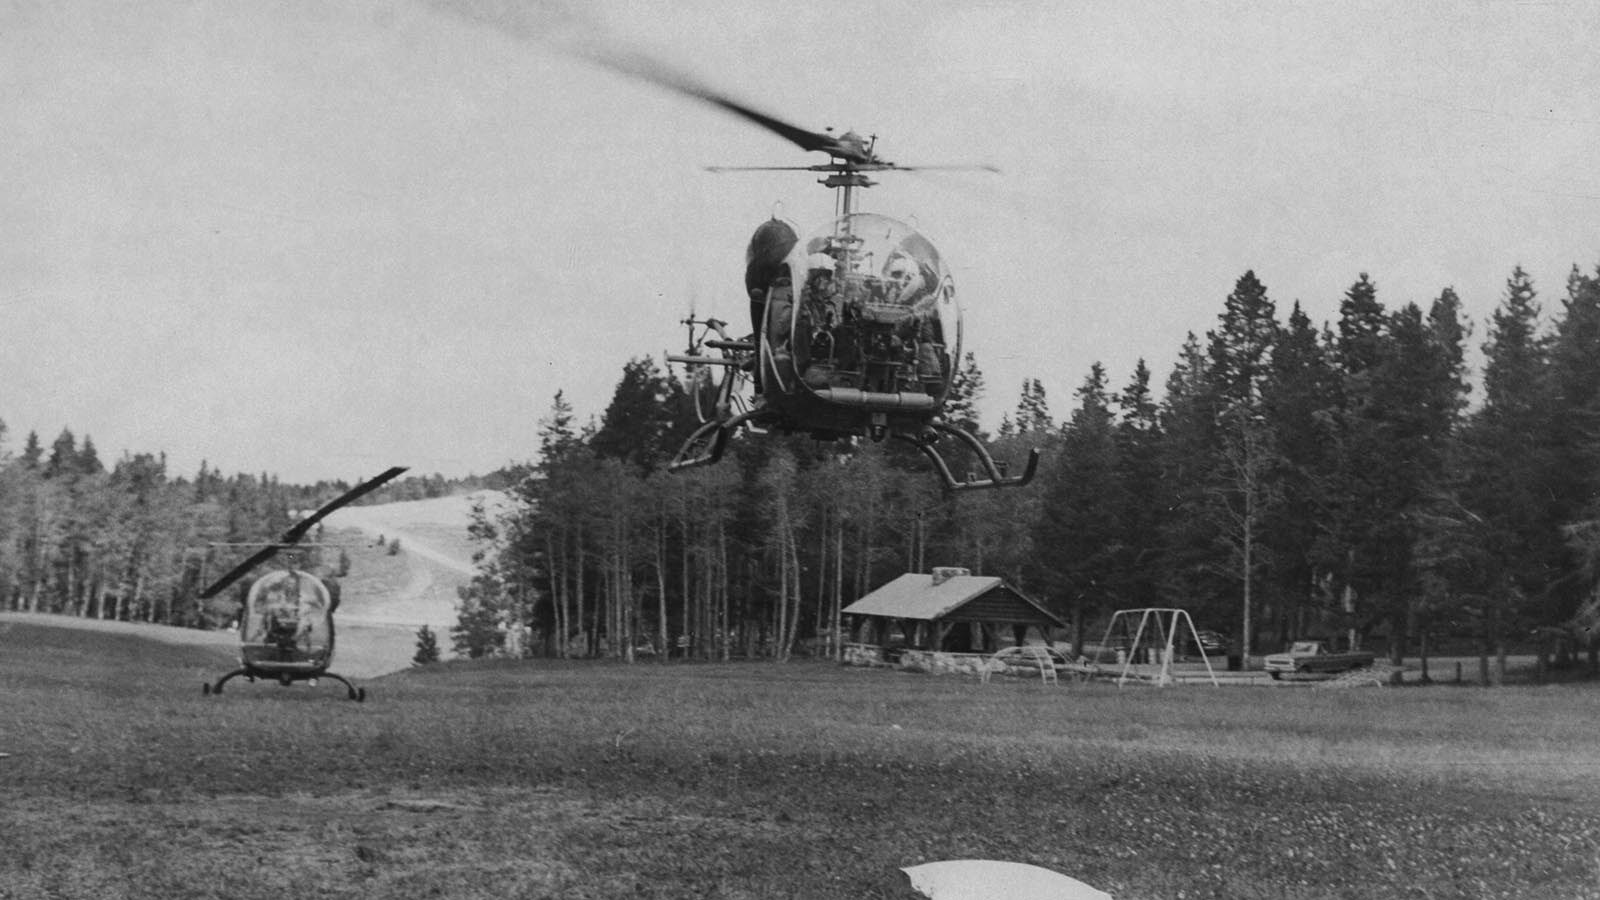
(427, 647)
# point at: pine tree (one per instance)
(1189, 442)
(32, 451)
(1412, 409)
(427, 647)
(1508, 466)
(1241, 347)
(88, 459)
(1243, 489)
(1079, 528)
(63, 456)
(1575, 441)
(640, 421)
(961, 406)
(1033, 409)
(1137, 579)
(477, 632)
(1296, 400)
(1356, 507)
(1362, 323)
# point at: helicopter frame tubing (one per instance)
(737, 359)
(707, 445)
(717, 433)
(994, 476)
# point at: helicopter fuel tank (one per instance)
(769, 249)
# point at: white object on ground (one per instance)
(981, 879)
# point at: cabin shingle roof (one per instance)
(915, 596)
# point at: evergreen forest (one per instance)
(1353, 480)
(131, 541)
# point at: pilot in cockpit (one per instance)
(905, 278)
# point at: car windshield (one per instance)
(1304, 647)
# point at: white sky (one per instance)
(320, 239)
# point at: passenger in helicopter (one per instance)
(906, 279)
(924, 333)
(287, 631)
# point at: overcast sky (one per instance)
(320, 239)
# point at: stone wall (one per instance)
(935, 662)
(944, 663)
(863, 655)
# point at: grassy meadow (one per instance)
(546, 779)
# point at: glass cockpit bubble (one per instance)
(876, 310)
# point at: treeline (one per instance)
(131, 541)
(1290, 479)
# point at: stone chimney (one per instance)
(941, 574)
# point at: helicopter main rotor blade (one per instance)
(298, 531)
(953, 167)
(557, 25)
(239, 571)
(294, 534)
(721, 169)
(867, 167)
(645, 68)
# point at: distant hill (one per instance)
(437, 527)
(387, 594)
(417, 584)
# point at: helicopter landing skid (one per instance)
(208, 688)
(359, 695)
(993, 475)
(353, 693)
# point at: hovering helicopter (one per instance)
(855, 329)
(286, 624)
(842, 343)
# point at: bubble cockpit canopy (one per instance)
(876, 313)
(287, 619)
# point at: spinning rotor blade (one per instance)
(721, 169)
(361, 490)
(655, 72)
(298, 531)
(559, 26)
(865, 167)
(239, 571)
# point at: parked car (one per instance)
(1213, 643)
(1315, 658)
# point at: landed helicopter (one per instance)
(286, 620)
(855, 329)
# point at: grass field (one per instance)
(757, 780)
